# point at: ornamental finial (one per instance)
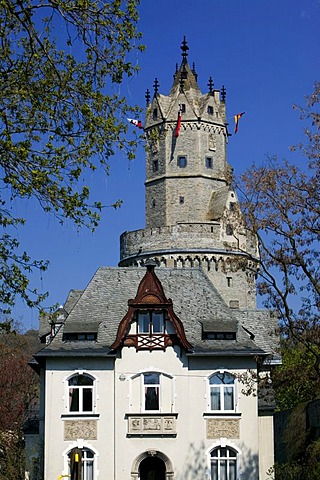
(156, 85)
(184, 47)
(210, 85)
(147, 96)
(223, 93)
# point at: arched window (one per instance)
(222, 392)
(223, 463)
(82, 459)
(80, 389)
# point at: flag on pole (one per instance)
(178, 126)
(236, 119)
(137, 123)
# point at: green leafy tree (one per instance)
(281, 203)
(60, 115)
(296, 380)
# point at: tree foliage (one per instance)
(61, 115)
(281, 201)
(296, 380)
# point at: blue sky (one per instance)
(266, 53)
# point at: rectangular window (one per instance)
(183, 108)
(157, 322)
(151, 322)
(182, 161)
(151, 391)
(155, 114)
(155, 165)
(87, 400)
(210, 110)
(215, 398)
(229, 229)
(144, 322)
(228, 398)
(209, 163)
(74, 399)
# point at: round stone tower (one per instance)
(192, 213)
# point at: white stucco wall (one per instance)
(188, 452)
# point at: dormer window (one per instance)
(210, 110)
(183, 107)
(84, 336)
(150, 322)
(155, 114)
(219, 335)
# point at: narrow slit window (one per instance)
(209, 162)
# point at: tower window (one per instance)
(229, 229)
(210, 110)
(229, 281)
(182, 161)
(183, 107)
(209, 162)
(153, 203)
(155, 165)
(155, 114)
(181, 200)
(234, 304)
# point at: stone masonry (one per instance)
(192, 213)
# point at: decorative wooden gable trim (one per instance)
(150, 297)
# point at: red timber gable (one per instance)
(150, 323)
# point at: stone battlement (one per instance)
(183, 237)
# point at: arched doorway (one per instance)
(152, 468)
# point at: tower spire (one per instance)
(184, 47)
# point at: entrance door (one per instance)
(152, 468)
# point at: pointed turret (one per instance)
(192, 213)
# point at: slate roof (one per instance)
(102, 305)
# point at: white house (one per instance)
(150, 371)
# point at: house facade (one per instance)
(151, 371)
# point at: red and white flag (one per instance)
(137, 123)
(178, 126)
(236, 119)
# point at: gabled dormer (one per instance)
(150, 322)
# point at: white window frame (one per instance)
(86, 446)
(144, 386)
(162, 408)
(221, 388)
(228, 459)
(149, 314)
(81, 388)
